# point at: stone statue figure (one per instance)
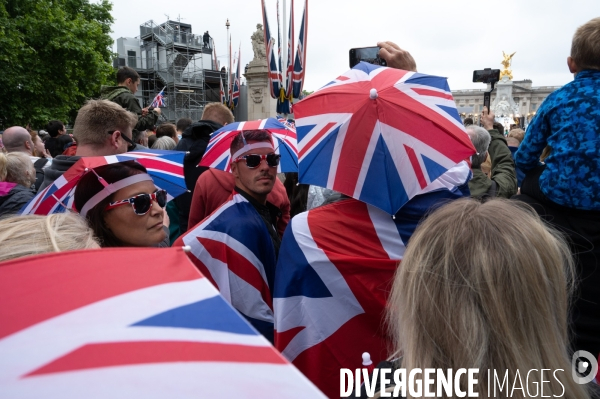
(258, 43)
(503, 107)
(506, 64)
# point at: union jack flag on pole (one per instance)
(300, 61)
(130, 323)
(236, 82)
(159, 100)
(239, 262)
(289, 87)
(274, 74)
(380, 135)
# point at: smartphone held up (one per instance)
(366, 54)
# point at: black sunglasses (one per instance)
(253, 160)
(131, 145)
(142, 203)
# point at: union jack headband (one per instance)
(109, 189)
(247, 147)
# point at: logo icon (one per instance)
(584, 367)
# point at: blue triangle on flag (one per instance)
(434, 170)
(383, 187)
(451, 111)
(316, 164)
(300, 279)
(209, 314)
(222, 164)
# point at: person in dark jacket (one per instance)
(503, 182)
(17, 176)
(194, 141)
(56, 129)
(123, 94)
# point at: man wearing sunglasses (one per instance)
(102, 128)
(237, 245)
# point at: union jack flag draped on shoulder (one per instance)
(274, 74)
(300, 61)
(239, 262)
(335, 269)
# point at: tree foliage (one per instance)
(54, 54)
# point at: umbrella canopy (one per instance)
(165, 168)
(130, 323)
(217, 153)
(380, 135)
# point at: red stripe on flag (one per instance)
(433, 93)
(127, 353)
(342, 78)
(317, 137)
(252, 125)
(37, 288)
(416, 166)
(239, 265)
(157, 164)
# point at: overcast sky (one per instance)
(447, 38)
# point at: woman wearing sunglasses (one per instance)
(122, 206)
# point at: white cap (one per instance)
(373, 94)
(366, 356)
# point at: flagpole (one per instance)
(284, 47)
(229, 56)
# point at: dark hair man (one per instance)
(169, 130)
(128, 81)
(182, 124)
(241, 233)
(55, 130)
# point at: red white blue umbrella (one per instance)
(130, 323)
(380, 135)
(217, 153)
(165, 168)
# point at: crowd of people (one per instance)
(501, 273)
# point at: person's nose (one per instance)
(155, 208)
(263, 165)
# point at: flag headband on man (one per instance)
(247, 147)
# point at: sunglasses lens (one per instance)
(161, 198)
(273, 160)
(141, 204)
(252, 160)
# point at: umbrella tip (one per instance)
(187, 249)
(373, 94)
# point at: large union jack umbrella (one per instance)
(379, 135)
(165, 168)
(217, 153)
(130, 323)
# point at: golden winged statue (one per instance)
(506, 64)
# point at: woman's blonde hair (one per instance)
(16, 167)
(35, 234)
(486, 286)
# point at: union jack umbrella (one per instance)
(217, 153)
(130, 323)
(165, 168)
(380, 135)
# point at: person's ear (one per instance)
(573, 68)
(115, 139)
(234, 169)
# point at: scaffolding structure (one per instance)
(170, 56)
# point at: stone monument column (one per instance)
(260, 103)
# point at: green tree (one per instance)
(54, 54)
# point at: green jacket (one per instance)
(503, 170)
(122, 96)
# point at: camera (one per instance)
(366, 54)
(487, 75)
